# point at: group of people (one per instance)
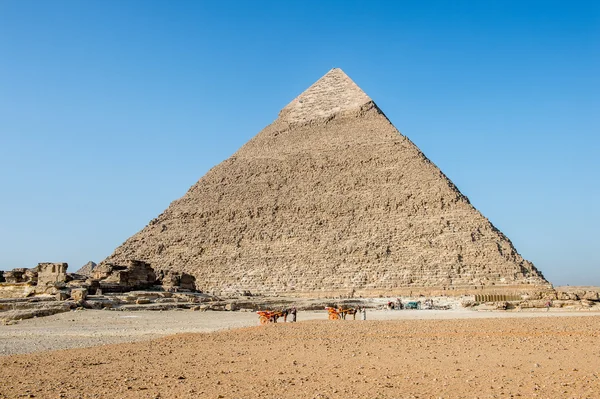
(395, 305)
(288, 312)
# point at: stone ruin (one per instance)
(173, 281)
(48, 289)
(21, 275)
(43, 275)
(120, 278)
(51, 274)
(53, 279)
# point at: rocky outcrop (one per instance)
(328, 200)
(2, 276)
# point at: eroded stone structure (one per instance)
(53, 279)
(330, 199)
(132, 274)
(175, 280)
(21, 275)
(51, 274)
(19, 283)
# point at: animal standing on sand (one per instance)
(340, 313)
(268, 316)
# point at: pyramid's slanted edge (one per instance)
(333, 93)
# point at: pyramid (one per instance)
(86, 270)
(330, 199)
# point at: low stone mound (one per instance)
(47, 309)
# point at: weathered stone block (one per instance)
(591, 295)
(19, 290)
(20, 275)
(61, 296)
(132, 275)
(50, 274)
(79, 294)
(231, 307)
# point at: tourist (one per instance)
(294, 315)
(364, 313)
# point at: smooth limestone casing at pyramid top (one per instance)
(330, 199)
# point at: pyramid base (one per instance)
(495, 292)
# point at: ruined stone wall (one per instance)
(50, 274)
(129, 274)
(21, 275)
(171, 280)
(105, 270)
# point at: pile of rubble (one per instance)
(46, 305)
(53, 279)
(560, 298)
(48, 289)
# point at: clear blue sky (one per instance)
(110, 110)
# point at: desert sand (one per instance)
(79, 329)
(395, 354)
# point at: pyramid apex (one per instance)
(334, 92)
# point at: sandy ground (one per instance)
(81, 329)
(545, 357)
(421, 354)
